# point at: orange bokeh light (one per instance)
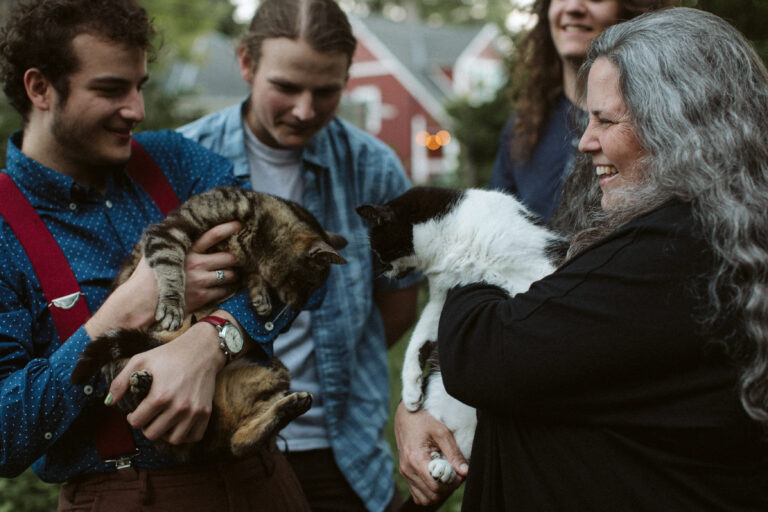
(433, 142)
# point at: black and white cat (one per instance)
(455, 237)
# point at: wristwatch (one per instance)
(230, 337)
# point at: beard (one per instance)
(83, 142)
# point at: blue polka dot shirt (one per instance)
(44, 419)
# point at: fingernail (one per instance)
(463, 468)
(109, 399)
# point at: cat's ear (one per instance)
(376, 214)
(321, 251)
(337, 241)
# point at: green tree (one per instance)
(437, 11)
(477, 127)
(749, 16)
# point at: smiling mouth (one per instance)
(123, 133)
(605, 170)
(576, 28)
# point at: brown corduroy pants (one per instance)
(262, 482)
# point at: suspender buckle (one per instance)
(66, 301)
(123, 461)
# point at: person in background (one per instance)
(635, 377)
(538, 143)
(285, 139)
(74, 70)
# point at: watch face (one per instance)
(232, 338)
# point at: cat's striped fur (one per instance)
(281, 250)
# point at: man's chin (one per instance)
(295, 140)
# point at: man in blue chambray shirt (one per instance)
(285, 139)
(77, 85)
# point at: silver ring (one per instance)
(219, 276)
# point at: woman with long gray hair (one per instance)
(635, 377)
(538, 143)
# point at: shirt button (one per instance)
(72, 206)
(269, 326)
(108, 203)
(88, 389)
(48, 436)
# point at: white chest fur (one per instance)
(487, 236)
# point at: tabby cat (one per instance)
(455, 237)
(282, 250)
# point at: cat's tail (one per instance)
(116, 344)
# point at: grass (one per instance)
(396, 353)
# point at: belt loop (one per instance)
(68, 491)
(145, 487)
(223, 469)
(267, 461)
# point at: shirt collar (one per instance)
(42, 185)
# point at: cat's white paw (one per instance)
(412, 396)
(440, 469)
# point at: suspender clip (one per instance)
(124, 461)
(66, 301)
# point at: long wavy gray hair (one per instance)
(698, 95)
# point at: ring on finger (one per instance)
(219, 276)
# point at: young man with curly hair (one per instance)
(74, 70)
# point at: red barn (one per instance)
(403, 73)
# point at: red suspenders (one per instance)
(112, 435)
(144, 171)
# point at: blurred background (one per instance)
(430, 78)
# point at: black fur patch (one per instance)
(392, 235)
(556, 250)
(117, 344)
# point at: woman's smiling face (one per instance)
(611, 137)
(574, 23)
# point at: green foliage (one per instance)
(396, 355)
(439, 11)
(10, 121)
(749, 16)
(27, 493)
(179, 22)
(477, 127)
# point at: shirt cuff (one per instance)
(264, 330)
(62, 362)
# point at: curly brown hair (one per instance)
(319, 23)
(537, 77)
(39, 34)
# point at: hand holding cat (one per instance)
(418, 434)
(203, 285)
(132, 304)
(184, 370)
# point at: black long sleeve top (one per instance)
(598, 389)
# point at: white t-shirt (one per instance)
(278, 172)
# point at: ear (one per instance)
(337, 241)
(376, 214)
(246, 63)
(39, 89)
(321, 251)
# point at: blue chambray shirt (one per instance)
(43, 417)
(342, 167)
